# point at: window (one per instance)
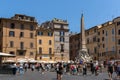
(31, 27)
(102, 38)
(49, 33)
(112, 31)
(61, 39)
(11, 44)
(50, 50)
(94, 30)
(62, 48)
(119, 42)
(98, 39)
(103, 31)
(31, 35)
(95, 50)
(94, 39)
(40, 41)
(12, 52)
(21, 45)
(113, 39)
(21, 53)
(119, 32)
(21, 34)
(31, 53)
(62, 26)
(40, 50)
(87, 33)
(106, 33)
(119, 51)
(11, 33)
(118, 23)
(50, 42)
(61, 33)
(40, 33)
(103, 45)
(12, 26)
(22, 27)
(98, 33)
(31, 45)
(88, 41)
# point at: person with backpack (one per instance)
(110, 69)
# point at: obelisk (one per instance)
(83, 38)
(83, 53)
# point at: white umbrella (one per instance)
(6, 55)
(21, 60)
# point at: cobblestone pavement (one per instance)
(35, 75)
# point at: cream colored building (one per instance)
(91, 40)
(17, 35)
(45, 44)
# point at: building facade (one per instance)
(17, 35)
(45, 44)
(61, 40)
(74, 45)
(58, 50)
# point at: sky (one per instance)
(95, 12)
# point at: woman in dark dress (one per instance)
(110, 70)
(60, 71)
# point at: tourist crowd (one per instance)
(95, 67)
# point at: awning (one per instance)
(6, 55)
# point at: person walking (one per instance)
(14, 69)
(84, 68)
(110, 69)
(118, 70)
(21, 68)
(96, 67)
(60, 71)
(92, 67)
(25, 66)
